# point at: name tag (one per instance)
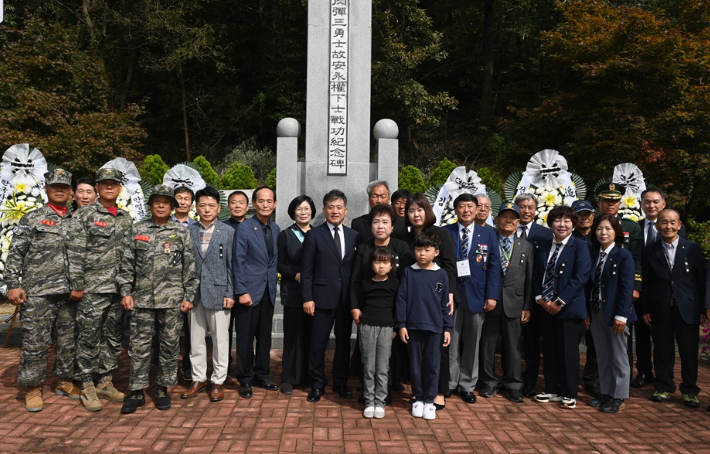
(100, 224)
(142, 238)
(462, 268)
(46, 222)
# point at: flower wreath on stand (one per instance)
(631, 177)
(459, 182)
(183, 175)
(546, 177)
(21, 183)
(131, 198)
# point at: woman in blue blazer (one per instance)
(610, 305)
(559, 278)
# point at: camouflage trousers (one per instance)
(40, 315)
(143, 324)
(100, 321)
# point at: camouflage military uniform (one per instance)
(97, 243)
(38, 255)
(158, 271)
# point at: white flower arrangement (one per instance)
(546, 199)
(125, 202)
(630, 207)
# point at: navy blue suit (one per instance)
(675, 299)
(561, 332)
(617, 285)
(255, 273)
(325, 279)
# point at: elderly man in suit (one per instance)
(378, 193)
(535, 234)
(512, 310)
(328, 253)
(255, 276)
(478, 286)
(673, 305)
(212, 242)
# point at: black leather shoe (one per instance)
(343, 391)
(529, 391)
(449, 393)
(599, 401)
(315, 394)
(641, 380)
(515, 396)
(593, 389)
(245, 391)
(613, 406)
(136, 400)
(267, 385)
(488, 392)
(468, 397)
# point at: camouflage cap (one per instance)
(109, 174)
(163, 190)
(57, 176)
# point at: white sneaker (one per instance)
(429, 411)
(369, 412)
(418, 409)
(568, 403)
(544, 397)
(379, 412)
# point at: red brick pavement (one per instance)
(271, 422)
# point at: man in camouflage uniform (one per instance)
(37, 277)
(157, 282)
(97, 242)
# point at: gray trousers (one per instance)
(463, 352)
(612, 356)
(511, 331)
(376, 347)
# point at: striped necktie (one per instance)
(505, 262)
(596, 288)
(464, 243)
(547, 286)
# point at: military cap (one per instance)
(611, 191)
(582, 205)
(509, 206)
(163, 190)
(109, 174)
(57, 176)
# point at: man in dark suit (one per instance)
(673, 304)
(378, 193)
(328, 253)
(255, 277)
(535, 234)
(478, 286)
(512, 310)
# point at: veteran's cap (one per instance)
(582, 205)
(509, 206)
(611, 191)
(57, 176)
(163, 190)
(109, 174)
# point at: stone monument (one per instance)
(337, 115)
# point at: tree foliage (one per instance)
(153, 169)
(411, 178)
(239, 176)
(441, 173)
(207, 172)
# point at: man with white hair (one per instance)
(378, 193)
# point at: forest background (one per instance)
(482, 83)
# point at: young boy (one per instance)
(375, 319)
(422, 316)
(36, 275)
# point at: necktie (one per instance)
(505, 263)
(651, 237)
(524, 235)
(667, 249)
(269, 240)
(464, 243)
(596, 288)
(547, 286)
(338, 247)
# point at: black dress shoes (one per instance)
(448, 393)
(515, 396)
(245, 391)
(315, 394)
(529, 390)
(641, 380)
(599, 401)
(343, 391)
(488, 392)
(468, 397)
(613, 406)
(267, 385)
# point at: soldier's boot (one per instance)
(105, 389)
(162, 401)
(33, 399)
(88, 397)
(66, 388)
(131, 404)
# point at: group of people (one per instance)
(430, 303)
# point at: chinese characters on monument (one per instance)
(338, 89)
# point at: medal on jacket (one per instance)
(166, 246)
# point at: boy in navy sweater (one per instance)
(423, 319)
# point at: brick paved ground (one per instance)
(271, 422)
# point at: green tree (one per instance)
(207, 172)
(491, 179)
(239, 176)
(441, 173)
(153, 169)
(271, 180)
(412, 179)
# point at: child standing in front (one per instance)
(422, 316)
(375, 320)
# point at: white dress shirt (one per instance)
(519, 233)
(670, 249)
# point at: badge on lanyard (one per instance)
(462, 268)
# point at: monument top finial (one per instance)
(386, 129)
(288, 127)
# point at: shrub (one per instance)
(441, 173)
(239, 176)
(207, 172)
(412, 179)
(491, 179)
(260, 160)
(153, 169)
(271, 180)
(700, 233)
